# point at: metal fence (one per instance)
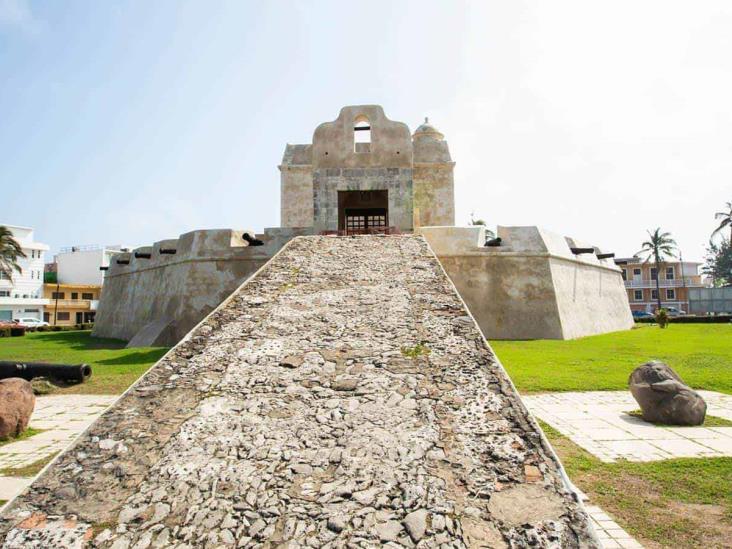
(710, 300)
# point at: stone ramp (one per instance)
(343, 397)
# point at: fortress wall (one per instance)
(296, 196)
(590, 300)
(533, 286)
(510, 297)
(434, 194)
(170, 293)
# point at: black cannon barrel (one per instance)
(578, 251)
(605, 256)
(493, 242)
(75, 373)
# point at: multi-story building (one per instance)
(21, 294)
(70, 304)
(80, 264)
(76, 285)
(675, 279)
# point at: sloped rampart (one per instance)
(343, 396)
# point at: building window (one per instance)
(669, 273)
(63, 316)
(670, 294)
(638, 295)
(654, 294)
(30, 310)
(74, 295)
(4, 293)
(636, 272)
(58, 295)
(654, 273)
(362, 135)
(625, 274)
(87, 296)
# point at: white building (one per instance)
(80, 264)
(21, 295)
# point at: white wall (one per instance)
(26, 288)
(82, 267)
(29, 282)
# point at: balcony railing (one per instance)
(83, 304)
(663, 283)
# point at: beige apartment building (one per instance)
(675, 279)
(70, 304)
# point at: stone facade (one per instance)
(363, 168)
(328, 182)
(342, 397)
(415, 170)
(532, 286)
(154, 295)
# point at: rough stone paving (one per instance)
(342, 398)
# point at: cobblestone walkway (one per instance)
(342, 398)
(598, 422)
(61, 418)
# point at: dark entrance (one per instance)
(363, 212)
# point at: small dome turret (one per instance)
(427, 130)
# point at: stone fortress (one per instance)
(365, 174)
(343, 394)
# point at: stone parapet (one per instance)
(532, 286)
(167, 288)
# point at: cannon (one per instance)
(578, 251)
(493, 242)
(251, 240)
(69, 373)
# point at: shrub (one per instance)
(661, 318)
(691, 319)
(4, 331)
(17, 331)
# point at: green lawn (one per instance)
(671, 503)
(700, 353)
(114, 368)
(29, 432)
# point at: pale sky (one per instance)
(130, 122)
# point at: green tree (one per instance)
(718, 263)
(659, 247)
(10, 252)
(726, 220)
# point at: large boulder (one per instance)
(16, 406)
(663, 396)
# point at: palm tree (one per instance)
(726, 218)
(659, 247)
(10, 251)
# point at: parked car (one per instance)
(673, 311)
(642, 314)
(30, 322)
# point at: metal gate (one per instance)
(366, 221)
